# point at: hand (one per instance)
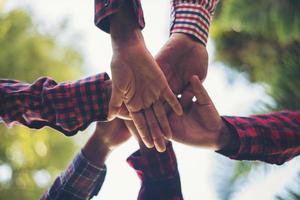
(201, 125)
(180, 58)
(139, 83)
(107, 136)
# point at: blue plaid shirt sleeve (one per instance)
(81, 180)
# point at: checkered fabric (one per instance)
(81, 180)
(192, 17)
(272, 138)
(158, 173)
(188, 16)
(67, 107)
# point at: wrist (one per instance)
(227, 139)
(124, 28)
(96, 151)
(186, 39)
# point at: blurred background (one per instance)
(254, 68)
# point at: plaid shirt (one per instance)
(66, 107)
(191, 17)
(158, 173)
(273, 138)
(82, 180)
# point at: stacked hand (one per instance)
(181, 58)
(200, 125)
(139, 83)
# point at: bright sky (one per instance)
(234, 98)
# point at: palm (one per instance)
(139, 83)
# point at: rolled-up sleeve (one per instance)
(273, 138)
(67, 107)
(80, 181)
(158, 173)
(192, 17)
(105, 8)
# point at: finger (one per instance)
(172, 100)
(115, 103)
(204, 108)
(141, 125)
(156, 133)
(199, 91)
(132, 129)
(161, 117)
(148, 99)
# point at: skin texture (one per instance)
(106, 137)
(138, 82)
(180, 58)
(200, 125)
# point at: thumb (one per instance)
(115, 103)
(204, 108)
(199, 91)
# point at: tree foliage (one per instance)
(262, 39)
(26, 54)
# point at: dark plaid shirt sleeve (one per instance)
(158, 173)
(80, 181)
(105, 8)
(67, 107)
(272, 138)
(192, 17)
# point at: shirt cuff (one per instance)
(271, 138)
(73, 106)
(105, 8)
(192, 18)
(81, 180)
(67, 107)
(157, 166)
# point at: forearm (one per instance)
(96, 151)
(272, 138)
(124, 29)
(67, 107)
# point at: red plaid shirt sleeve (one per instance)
(80, 181)
(105, 8)
(159, 175)
(67, 107)
(272, 138)
(193, 17)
